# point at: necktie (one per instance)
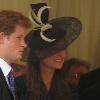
(11, 83)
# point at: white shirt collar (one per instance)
(5, 67)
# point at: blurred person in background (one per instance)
(75, 68)
(19, 70)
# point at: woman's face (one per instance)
(54, 61)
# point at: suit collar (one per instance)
(4, 86)
(5, 67)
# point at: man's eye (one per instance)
(20, 38)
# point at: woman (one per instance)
(46, 55)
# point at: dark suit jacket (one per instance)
(5, 94)
(89, 86)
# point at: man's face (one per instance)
(13, 45)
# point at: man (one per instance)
(13, 26)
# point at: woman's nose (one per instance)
(62, 53)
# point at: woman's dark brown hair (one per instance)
(60, 91)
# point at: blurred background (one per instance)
(87, 46)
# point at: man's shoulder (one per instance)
(90, 78)
(89, 85)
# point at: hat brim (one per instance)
(72, 27)
(64, 28)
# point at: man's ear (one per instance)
(1, 36)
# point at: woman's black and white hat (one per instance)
(51, 35)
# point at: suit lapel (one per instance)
(5, 93)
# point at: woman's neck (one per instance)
(47, 75)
